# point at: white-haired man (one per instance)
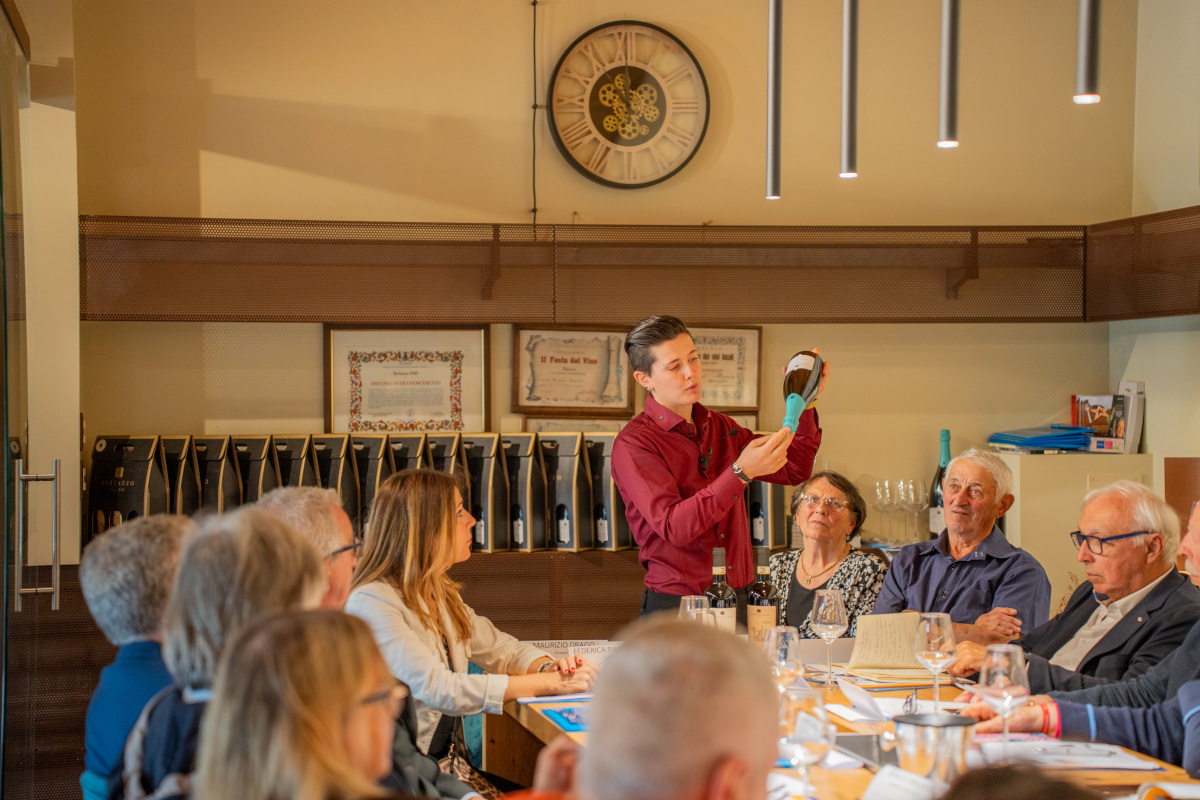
(318, 515)
(990, 589)
(668, 680)
(1134, 608)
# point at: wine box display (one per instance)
(129, 480)
(527, 511)
(337, 470)
(608, 507)
(446, 455)
(489, 491)
(220, 478)
(766, 515)
(373, 458)
(568, 492)
(258, 464)
(297, 467)
(409, 451)
(183, 475)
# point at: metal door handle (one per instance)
(22, 479)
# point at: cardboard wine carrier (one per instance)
(608, 507)
(183, 474)
(527, 512)
(489, 491)
(297, 467)
(373, 457)
(220, 478)
(337, 471)
(129, 480)
(447, 455)
(568, 491)
(258, 464)
(409, 451)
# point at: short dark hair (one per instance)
(1015, 783)
(858, 506)
(648, 334)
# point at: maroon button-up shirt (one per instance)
(682, 499)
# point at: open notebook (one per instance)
(883, 650)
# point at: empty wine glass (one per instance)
(914, 498)
(934, 647)
(782, 646)
(696, 608)
(1003, 683)
(829, 621)
(805, 733)
(887, 500)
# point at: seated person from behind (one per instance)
(991, 590)
(1134, 609)
(126, 576)
(829, 510)
(318, 516)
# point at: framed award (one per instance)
(628, 104)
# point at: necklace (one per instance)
(808, 579)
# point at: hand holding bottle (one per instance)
(766, 454)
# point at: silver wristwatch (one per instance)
(738, 471)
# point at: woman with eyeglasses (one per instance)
(303, 708)
(830, 511)
(427, 634)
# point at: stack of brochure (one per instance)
(1049, 438)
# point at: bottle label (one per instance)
(758, 620)
(519, 532)
(718, 570)
(481, 533)
(766, 571)
(758, 529)
(801, 361)
(564, 531)
(937, 519)
(602, 531)
(726, 619)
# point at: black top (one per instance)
(800, 600)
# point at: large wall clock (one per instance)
(628, 104)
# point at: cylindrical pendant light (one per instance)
(774, 75)
(948, 108)
(1087, 64)
(849, 89)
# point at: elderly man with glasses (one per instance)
(318, 515)
(990, 589)
(1134, 608)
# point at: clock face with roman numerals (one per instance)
(628, 104)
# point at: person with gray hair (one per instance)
(318, 515)
(238, 567)
(1133, 610)
(126, 575)
(991, 589)
(668, 681)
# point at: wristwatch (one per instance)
(738, 471)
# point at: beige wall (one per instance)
(399, 110)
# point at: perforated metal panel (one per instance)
(155, 268)
(1145, 266)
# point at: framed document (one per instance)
(571, 424)
(730, 359)
(381, 379)
(576, 372)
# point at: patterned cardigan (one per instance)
(860, 577)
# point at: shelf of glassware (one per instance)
(1048, 490)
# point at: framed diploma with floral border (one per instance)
(380, 379)
(729, 360)
(571, 424)
(571, 372)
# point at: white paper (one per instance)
(554, 698)
(1050, 753)
(869, 708)
(893, 783)
(1177, 791)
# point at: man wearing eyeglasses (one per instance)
(318, 515)
(1134, 608)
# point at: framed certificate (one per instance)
(571, 424)
(576, 372)
(381, 379)
(730, 360)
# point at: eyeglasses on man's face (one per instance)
(831, 505)
(1096, 543)
(393, 698)
(355, 546)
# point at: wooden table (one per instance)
(512, 741)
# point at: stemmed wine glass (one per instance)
(934, 647)
(805, 733)
(782, 646)
(1004, 683)
(696, 608)
(887, 500)
(914, 498)
(829, 621)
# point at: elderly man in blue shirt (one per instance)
(990, 589)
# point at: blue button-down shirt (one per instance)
(926, 577)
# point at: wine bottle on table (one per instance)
(762, 599)
(721, 598)
(937, 506)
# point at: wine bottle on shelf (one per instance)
(602, 524)
(762, 599)
(480, 527)
(758, 524)
(564, 525)
(937, 505)
(518, 525)
(721, 598)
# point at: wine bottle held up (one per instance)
(762, 599)
(937, 504)
(801, 379)
(722, 600)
